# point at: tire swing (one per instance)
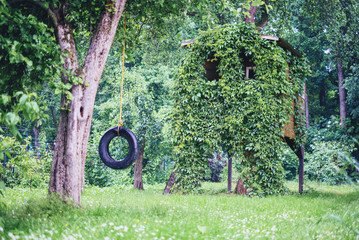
(105, 155)
(119, 131)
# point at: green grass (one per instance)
(323, 212)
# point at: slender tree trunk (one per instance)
(36, 140)
(138, 181)
(52, 109)
(300, 154)
(322, 95)
(229, 180)
(306, 106)
(67, 173)
(342, 94)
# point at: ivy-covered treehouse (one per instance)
(241, 92)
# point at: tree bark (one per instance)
(36, 140)
(229, 180)
(306, 105)
(342, 94)
(52, 109)
(138, 181)
(252, 14)
(240, 188)
(300, 154)
(67, 173)
(170, 183)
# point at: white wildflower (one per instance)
(12, 236)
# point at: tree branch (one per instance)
(252, 14)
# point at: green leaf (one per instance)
(68, 86)
(12, 118)
(257, 3)
(23, 99)
(2, 188)
(57, 91)
(35, 107)
(5, 99)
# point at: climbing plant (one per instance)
(245, 116)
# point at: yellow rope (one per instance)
(120, 122)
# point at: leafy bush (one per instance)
(290, 163)
(20, 166)
(327, 130)
(330, 162)
(216, 164)
(154, 173)
(97, 173)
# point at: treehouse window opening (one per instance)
(250, 72)
(211, 66)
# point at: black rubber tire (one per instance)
(104, 151)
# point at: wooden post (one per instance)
(300, 154)
(301, 168)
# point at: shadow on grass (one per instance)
(50, 206)
(341, 198)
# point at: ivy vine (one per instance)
(244, 116)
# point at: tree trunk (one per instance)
(240, 188)
(67, 173)
(306, 106)
(252, 14)
(36, 140)
(170, 183)
(342, 94)
(52, 109)
(300, 154)
(229, 180)
(138, 182)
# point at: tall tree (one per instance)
(80, 77)
(337, 19)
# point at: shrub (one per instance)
(216, 164)
(290, 163)
(20, 166)
(327, 130)
(330, 162)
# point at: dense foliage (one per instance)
(244, 115)
(20, 166)
(209, 115)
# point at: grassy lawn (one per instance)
(323, 212)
